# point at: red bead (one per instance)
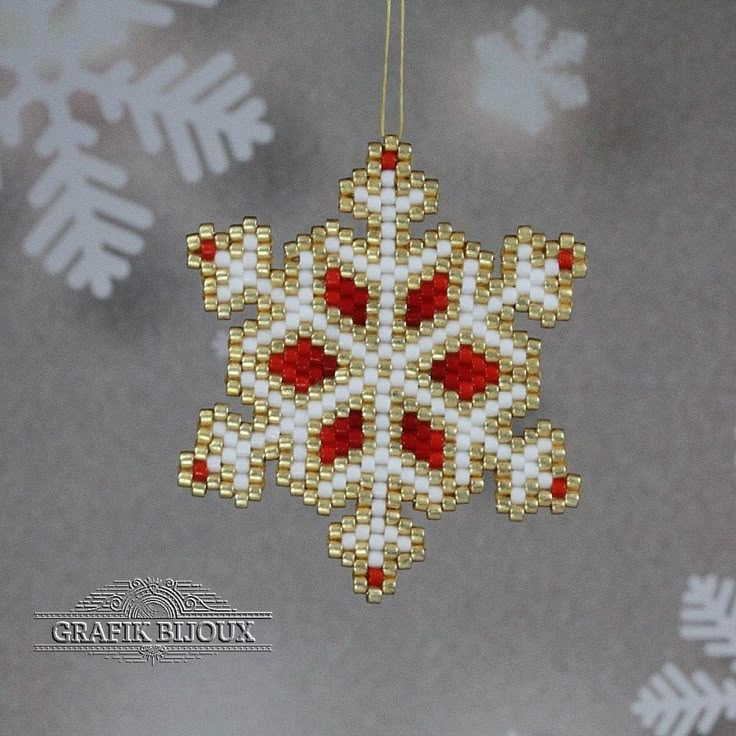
(465, 372)
(389, 159)
(337, 439)
(423, 303)
(418, 437)
(303, 365)
(565, 259)
(199, 470)
(207, 249)
(341, 292)
(375, 577)
(559, 487)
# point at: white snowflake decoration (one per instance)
(383, 370)
(675, 704)
(523, 78)
(54, 49)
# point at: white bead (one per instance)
(416, 195)
(223, 294)
(435, 494)
(388, 229)
(491, 444)
(394, 465)
(236, 267)
(536, 277)
(523, 286)
(324, 489)
(523, 270)
(531, 452)
(388, 213)
(362, 532)
(509, 295)
(377, 525)
(214, 463)
(360, 262)
(242, 464)
(429, 256)
(551, 267)
(257, 440)
(524, 252)
(374, 203)
(378, 507)
(506, 346)
(536, 293)
(518, 391)
(250, 242)
(402, 204)
(348, 541)
(240, 482)
(504, 452)
(531, 470)
(370, 376)
(518, 357)
(332, 243)
(222, 258)
(353, 473)
(360, 195)
(504, 399)
(551, 302)
(444, 248)
(421, 483)
(517, 461)
(462, 477)
(545, 445)
(517, 477)
(404, 543)
(518, 496)
(391, 534)
(388, 246)
(388, 178)
(375, 559)
(346, 253)
(545, 480)
(494, 305)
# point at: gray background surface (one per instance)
(547, 627)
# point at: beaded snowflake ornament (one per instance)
(383, 370)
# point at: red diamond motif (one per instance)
(341, 292)
(339, 438)
(465, 372)
(418, 437)
(303, 365)
(423, 303)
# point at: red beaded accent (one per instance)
(423, 303)
(303, 365)
(375, 577)
(565, 258)
(199, 470)
(389, 159)
(427, 444)
(341, 292)
(207, 250)
(559, 487)
(339, 438)
(465, 372)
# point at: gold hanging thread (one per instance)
(386, 54)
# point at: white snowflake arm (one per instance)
(204, 109)
(672, 704)
(709, 615)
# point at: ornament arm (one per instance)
(236, 268)
(536, 275)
